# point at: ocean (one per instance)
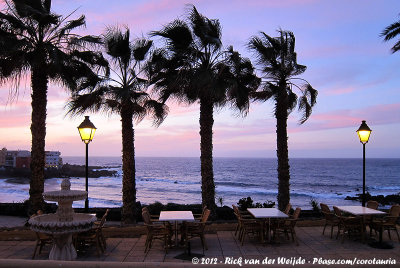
(177, 180)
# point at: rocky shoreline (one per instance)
(22, 175)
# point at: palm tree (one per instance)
(193, 67)
(390, 32)
(278, 62)
(36, 41)
(123, 93)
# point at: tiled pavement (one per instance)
(223, 246)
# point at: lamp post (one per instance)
(363, 133)
(86, 131)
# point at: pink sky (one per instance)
(348, 63)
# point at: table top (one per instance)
(176, 216)
(267, 213)
(360, 210)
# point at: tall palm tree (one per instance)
(390, 32)
(193, 67)
(278, 61)
(123, 93)
(36, 41)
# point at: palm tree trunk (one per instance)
(281, 114)
(206, 157)
(128, 168)
(39, 82)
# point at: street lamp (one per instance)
(86, 131)
(363, 133)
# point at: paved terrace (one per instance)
(222, 247)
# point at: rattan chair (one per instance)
(94, 236)
(350, 225)
(287, 226)
(246, 225)
(330, 218)
(156, 231)
(388, 223)
(42, 239)
(196, 229)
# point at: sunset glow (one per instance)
(353, 70)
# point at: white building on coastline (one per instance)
(22, 158)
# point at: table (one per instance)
(266, 213)
(362, 211)
(176, 216)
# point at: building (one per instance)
(3, 157)
(18, 159)
(53, 159)
(22, 159)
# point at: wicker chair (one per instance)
(387, 223)
(246, 225)
(330, 218)
(156, 231)
(42, 239)
(351, 225)
(287, 226)
(196, 229)
(94, 236)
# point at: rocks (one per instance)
(22, 175)
(381, 199)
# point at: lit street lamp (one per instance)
(87, 130)
(363, 133)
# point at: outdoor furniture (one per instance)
(91, 237)
(246, 225)
(100, 225)
(349, 224)
(94, 236)
(198, 217)
(176, 216)
(196, 229)
(155, 231)
(387, 223)
(240, 215)
(287, 226)
(330, 218)
(42, 239)
(362, 212)
(287, 209)
(373, 205)
(264, 214)
(153, 218)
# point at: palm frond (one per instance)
(177, 35)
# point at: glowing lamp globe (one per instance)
(86, 130)
(364, 132)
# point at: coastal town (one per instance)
(22, 159)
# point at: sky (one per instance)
(339, 41)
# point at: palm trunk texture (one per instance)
(281, 114)
(128, 169)
(206, 157)
(38, 129)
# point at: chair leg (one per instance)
(203, 241)
(389, 233)
(323, 231)
(332, 231)
(34, 252)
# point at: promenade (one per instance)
(314, 250)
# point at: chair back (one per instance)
(325, 208)
(394, 210)
(296, 214)
(328, 214)
(103, 219)
(338, 212)
(288, 208)
(205, 216)
(372, 204)
(146, 217)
